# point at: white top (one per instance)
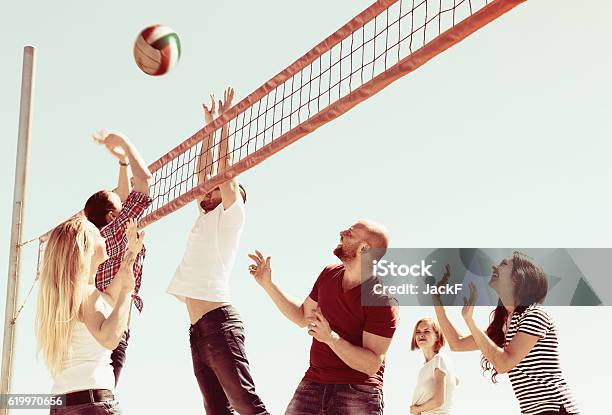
(424, 389)
(204, 272)
(87, 364)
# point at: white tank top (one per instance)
(88, 366)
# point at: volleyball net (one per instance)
(388, 40)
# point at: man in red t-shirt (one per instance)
(350, 340)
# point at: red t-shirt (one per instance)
(349, 319)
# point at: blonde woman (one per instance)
(77, 326)
(436, 381)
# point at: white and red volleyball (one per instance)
(157, 50)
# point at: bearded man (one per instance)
(350, 336)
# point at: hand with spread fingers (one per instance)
(319, 328)
(261, 270)
(228, 97)
(210, 113)
(468, 304)
(114, 143)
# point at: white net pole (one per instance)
(14, 266)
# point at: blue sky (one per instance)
(501, 141)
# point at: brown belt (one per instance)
(88, 396)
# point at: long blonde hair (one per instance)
(63, 279)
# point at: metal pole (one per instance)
(14, 266)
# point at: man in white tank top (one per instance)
(201, 281)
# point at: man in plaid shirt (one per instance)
(110, 212)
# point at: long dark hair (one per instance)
(530, 287)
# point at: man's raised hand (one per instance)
(113, 142)
(228, 97)
(210, 112)
(261, 270)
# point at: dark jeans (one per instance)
(118, 355)
(98, 408)
(312, 398)
(221, 366)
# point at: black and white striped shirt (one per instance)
(537, 380)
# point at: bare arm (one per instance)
(456, 341)
(295, 312)
(503, 360)
(366, 359)
(229, 189)
(108, 330)
(205, 160)
(116, 284)
(142, 176)
(123, 186)
(290, 308)
(439, 395)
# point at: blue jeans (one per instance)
(98, 408)
(312, 398)
(221, 365)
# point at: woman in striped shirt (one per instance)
(521, 339)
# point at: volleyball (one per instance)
(157, 50)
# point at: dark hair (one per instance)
(97, 206)
(242, 192)
(530, 287)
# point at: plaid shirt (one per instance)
(116, 244)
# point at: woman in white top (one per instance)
(521, 339)
(78, 326)
(436, 381)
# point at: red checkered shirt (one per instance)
(116, 244)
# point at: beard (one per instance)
(345, 253)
